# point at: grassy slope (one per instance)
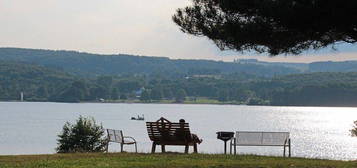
(117, 160)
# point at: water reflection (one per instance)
(316, 132)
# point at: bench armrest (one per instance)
(129, 138)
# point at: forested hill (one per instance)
(329, 66)
(318, 78)
(35, 81)
(315, 89)
(40, 83)
(324, 66)
(121, 64)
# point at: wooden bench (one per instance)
(163, 132)
(117, 137)
(245, 138)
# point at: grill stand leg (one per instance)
(225, 147)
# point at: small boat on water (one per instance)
(138, 117)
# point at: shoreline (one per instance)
(184, 103)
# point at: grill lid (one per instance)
(223, 135)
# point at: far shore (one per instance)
(202, 101)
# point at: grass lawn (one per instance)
(128, 160)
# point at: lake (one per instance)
(316, 132)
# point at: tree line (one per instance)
(43, 84)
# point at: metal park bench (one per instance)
(245, 138)
(117, 137)
(163, 132)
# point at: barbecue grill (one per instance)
(225, 136)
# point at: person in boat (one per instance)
(138, 118)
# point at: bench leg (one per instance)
(284, 150)
(121, 147)
(195, 148)
(136, 148)
(107, 147)
(289, 148)
(163, 149)
(186, 148)
(235, 147)
(153, 147)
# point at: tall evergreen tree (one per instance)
(145, 96)
(223, 95)
(273, 26)
(115, 94)
(156, 93)
(42, 92)
(180, 96)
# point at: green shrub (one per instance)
(354, 130)
(83, 136)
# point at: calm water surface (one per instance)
(316, 132)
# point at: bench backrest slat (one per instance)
(262, 138)
(115, 135)
(167, 131)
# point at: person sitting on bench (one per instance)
(181, 133)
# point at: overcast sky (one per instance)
(139, 27)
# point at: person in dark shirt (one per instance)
(179, 133)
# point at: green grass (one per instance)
(127, 160)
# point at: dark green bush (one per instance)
(83, 136)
